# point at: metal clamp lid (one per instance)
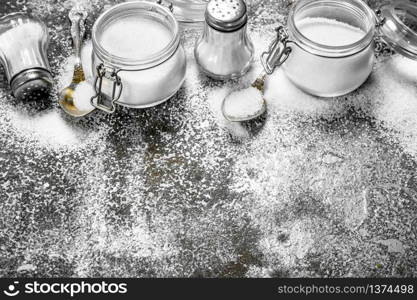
(100, 100)
(397, 24)
(278, 51)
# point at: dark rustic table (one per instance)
(170, 191)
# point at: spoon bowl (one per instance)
(66, 101)
(258, 84)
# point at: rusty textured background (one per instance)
(155, 194)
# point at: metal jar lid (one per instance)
(32, 84)
(226, 15)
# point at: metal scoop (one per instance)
(259, 84)
(77, 17)
(274, 57)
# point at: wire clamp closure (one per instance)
(278, 51)
(100, 100)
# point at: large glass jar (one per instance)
(337, 67)
(138, 60)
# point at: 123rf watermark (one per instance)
(59, 288)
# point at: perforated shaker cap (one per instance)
(226, 15)
(31, 85)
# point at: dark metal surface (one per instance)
(166, 191)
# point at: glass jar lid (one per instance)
(399, 27)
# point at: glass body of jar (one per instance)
(224, 55)
(143, 82)
(23, 53)
(23, 44)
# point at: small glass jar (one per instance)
(137, 82)
(224, 51)
(334, 70)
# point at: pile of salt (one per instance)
(244, 103)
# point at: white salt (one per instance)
(281, 94)
(49, 129)
(243, 103)
(329, 32)
(82, 96)
(135, 37)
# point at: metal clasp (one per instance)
(380, 19)
(167, 4)
(277, 53)
(100, 100)
(382, 48)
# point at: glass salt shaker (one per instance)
(23, 44)
(224, 51)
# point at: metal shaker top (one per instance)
(226, 15)
(32, 84)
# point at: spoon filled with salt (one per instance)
(246, 104)
(75, 99)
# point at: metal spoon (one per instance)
(77, 17)
(274, 57)
(259, 84)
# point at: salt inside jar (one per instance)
(135, 37)
(329, 31)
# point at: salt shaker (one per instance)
(23, 45)
(224, 51)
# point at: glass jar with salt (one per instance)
(23, 44)
(328, 47)
(137, 56)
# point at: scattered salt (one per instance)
(281, 94)
(243, 103)
(49, 129)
